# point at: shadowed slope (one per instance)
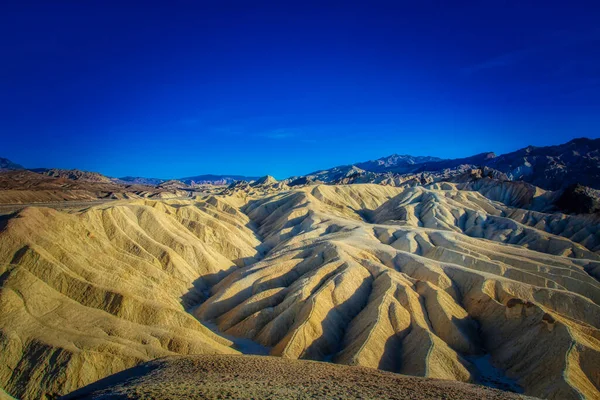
(86, 295)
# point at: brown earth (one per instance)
(27, 187)
(255, 377)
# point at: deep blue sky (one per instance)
(288, 87)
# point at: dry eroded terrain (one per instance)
(425, 281)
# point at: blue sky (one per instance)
(172, 89)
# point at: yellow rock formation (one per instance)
(419, 280)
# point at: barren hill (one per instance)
(446, 280)
(251, 377)
(73, 174)
(28, 187)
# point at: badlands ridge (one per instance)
(469, 281)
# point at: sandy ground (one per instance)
(256, 377)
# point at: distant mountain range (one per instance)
(440, 268)
(87, 176)
(73, 174)
(190, 180)
(396, 163)
(551, 168)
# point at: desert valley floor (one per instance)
(471, 283)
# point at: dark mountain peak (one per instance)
(582, 141)
(396, 163)
(476, 160)
(7, 165)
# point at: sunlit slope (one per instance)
(86, 295)
(418, 281)
(259, 377)
(421, 281)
